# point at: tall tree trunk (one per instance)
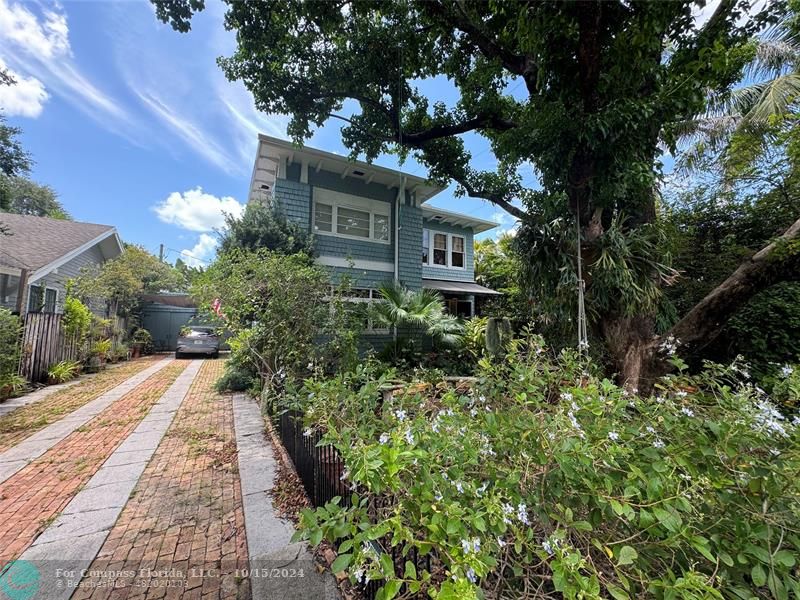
(630, 341)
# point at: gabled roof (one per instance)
(40, 244)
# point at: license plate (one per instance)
(198, 342)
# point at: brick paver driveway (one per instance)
(129, 486)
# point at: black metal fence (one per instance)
(320, 469)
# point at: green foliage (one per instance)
(77, 318)
(63, 371)
(415, 312)
(786, 386)
(124, 279)
(263, 226)
(546, 477)
(473, 343)
(101, 349)
(718, 222)
(497, 266)
(273, 304)
(26, 197)
(10, 331)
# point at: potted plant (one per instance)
(141, 342)
(100, 350)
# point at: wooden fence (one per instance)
(44, 344)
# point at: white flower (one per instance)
(501, 542)
(786, 371)
(345, 475)
(613, 436)
(670, 345)
(409, 437)
(796, 420)
(566, 396)
(483, 488)
(681, 394)
(438, 497)
(471, 575)
(482, 399)
(459, 487)
(547, 547)
(310, 366)
(307, 432)
(473, 412)
(466, 546)
(359, 575)
(574, 406)
(400, 414)
(384, 439)
(687, 411)
(769, 418)
(522, 513)
(650, 429)
(658, 444)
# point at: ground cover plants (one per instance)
(546, 480)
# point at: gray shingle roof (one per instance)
(38, 241)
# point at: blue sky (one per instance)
(134, 125)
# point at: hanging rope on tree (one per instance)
(583, 338)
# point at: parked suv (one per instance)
(198, 339)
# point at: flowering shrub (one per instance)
(544, 478)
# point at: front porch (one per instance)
(459, 296)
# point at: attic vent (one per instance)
(437, 218)
(358, 173)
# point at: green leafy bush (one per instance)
(63, 371)
(10, 331)
(547, 480)
(77, 318)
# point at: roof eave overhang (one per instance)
(320, 159)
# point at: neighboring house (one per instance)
(45, 253)
(372, 223)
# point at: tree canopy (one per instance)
(587, 94)
(262, 226)
(124, 279)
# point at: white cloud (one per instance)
(38, 44)
(196, 210)
(45, 39)
(25, 98)
(197, 139)
(202, 252)
(507, 224)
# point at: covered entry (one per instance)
(459, 296)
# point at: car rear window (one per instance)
(197, 332)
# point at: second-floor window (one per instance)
(343, 215)
(441, 249)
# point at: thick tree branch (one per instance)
(705, 321)
(489, 47)
(493, 198)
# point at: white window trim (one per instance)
(450, 236)
(339, 200)
(374, 296)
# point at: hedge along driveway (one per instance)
(21, 423)
(33, 496)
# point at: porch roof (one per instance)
(458, 287)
